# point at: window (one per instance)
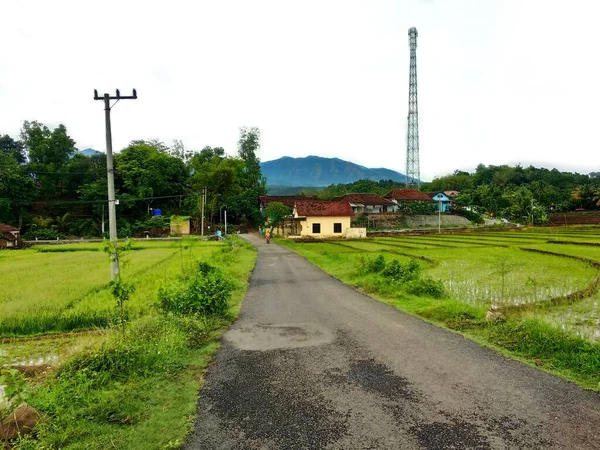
(316, 228)
(337, 227)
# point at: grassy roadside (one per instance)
(521, 335)
(138, 390)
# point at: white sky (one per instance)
(499, 81)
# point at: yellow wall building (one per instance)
(322, 219)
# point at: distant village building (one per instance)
(402, 197)
(287, 200)
(366, 203)
(323, 219)
(441, 198)
(9, 236)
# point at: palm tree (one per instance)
(585, 195)
(597, 197)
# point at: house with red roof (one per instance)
(403, 196)
(367, 203)
(9, 236)
(287, 200)
(322, 219)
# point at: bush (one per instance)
(372, 264)
(84, 227)
(206, 292)
(402, 273)
(152, 344)
(44, 234)
(469, 215)
(198, 329)
(426, 286)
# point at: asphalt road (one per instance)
(313, 364)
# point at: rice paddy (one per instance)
(62, 288)
(552, 274)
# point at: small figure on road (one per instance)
(268, 237)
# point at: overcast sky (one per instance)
(499, 81)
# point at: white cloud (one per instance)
(499, 82)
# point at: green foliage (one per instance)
(206, 292)
(16, 389)
(276, 214)
(43, 234)
(421, 208)
(402, 273)
(470, 215)
(426, 286)
(535, 339)
(371, 264)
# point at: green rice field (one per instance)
(58, 288)
(550, 274)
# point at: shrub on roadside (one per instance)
(371, 264)
(426, 286)
(207, 292)
(402, 273)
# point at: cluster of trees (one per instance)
(520, 194)
(47, 186)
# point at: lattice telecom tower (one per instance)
(413, 176)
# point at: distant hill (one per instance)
(89, 152)
(315, 171)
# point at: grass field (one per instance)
(64, 288)
(102, 385)
(544, 281)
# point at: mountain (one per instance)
(90, 152)
(315, 171)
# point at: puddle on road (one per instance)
(261, 337)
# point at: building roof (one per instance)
(440, 196)
(365, 199)
(452, 194)
(9, 228)
(334, 209)
(7, 232)
(287, 200)
(410, 195)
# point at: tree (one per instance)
(584, 196)
(276, 214)
(49, 153)
(248, 145)
(16, 185)
(15, 148)
(145, 171)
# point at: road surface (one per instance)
(312, 364)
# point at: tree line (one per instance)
(48, 188)
(521, 194)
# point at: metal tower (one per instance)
(413, 176)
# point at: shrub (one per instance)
(198, 329)
(44, 234)
(402, 273)
(206, 292)
(469, 215)
(151, 345)
(84, 227)
(426, 286)
(372, 264)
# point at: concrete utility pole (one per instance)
(203, 203)
(110, 175)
